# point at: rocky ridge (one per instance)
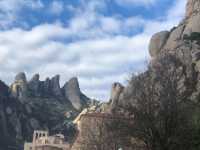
(26, 106)
(69, 93)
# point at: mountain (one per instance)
(26, 106)
(164, 100)
(183, 43)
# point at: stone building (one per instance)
(103, 131)
(42, 141)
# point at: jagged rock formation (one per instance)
(19, 87)
(73, 94)
(70, 92)
(29, 105)
(183, 43)
(116, 93)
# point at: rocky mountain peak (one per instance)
(73, 83)
(55, 85)
(19, 87)
(116, 91)
(35, 78)
(20, 77)
(72, 92)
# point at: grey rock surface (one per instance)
(157, 42)
(73, 93)
(55, 85)
(116, 91)
(20, 77)
(193, 6)
(192, 24)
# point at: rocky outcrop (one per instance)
(20, 77)
(182, 43)
(55, 86)
(171, 40)
(34, 84)
(73, 94)
(69, 93)
(19, 87)
(116, 92)
(157, 42)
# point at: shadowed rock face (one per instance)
(34, 84)
(55, 86)
(73, 94)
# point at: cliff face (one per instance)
(26, 106)
(181, 42)
(170, 87)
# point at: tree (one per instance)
(160, 106)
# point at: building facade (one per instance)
(102, 131)
(42, 141)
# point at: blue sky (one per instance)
(99, 41)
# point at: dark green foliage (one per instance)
(194, 36)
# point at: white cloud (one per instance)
(57, 7)
(98, 51)
(9, 10)
(136, 2)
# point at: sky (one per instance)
(98, 41)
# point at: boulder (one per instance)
(157, 41)
(174, 37)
